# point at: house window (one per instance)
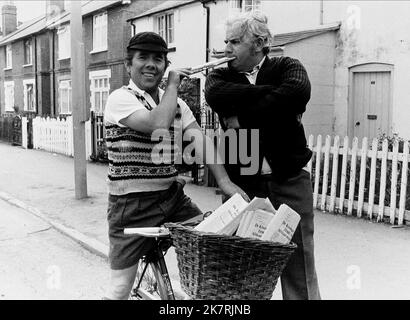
(100, 32)
(8, 56)
(9, 95)
(165, 27)
(29, 95)
(64, 89)
(28, 52)
(64, 42)
(245, 5)
(100, 89)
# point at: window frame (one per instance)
(237, 6)
(9, 57)
(64, 42)
(8, 106)
(28, 62)
(68, 88)
(162, 27)
(96, 76)
(100, 32)
(25, 94)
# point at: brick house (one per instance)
(23, 64)
(106, 34)
(42, 85)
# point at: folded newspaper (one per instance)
(223, 216)
(282, 227)
(257, 219)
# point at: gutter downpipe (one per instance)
(53, 74)
(321, 12)
(207, 34)
(36, 76)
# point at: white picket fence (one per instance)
(366, 181)
(56, 135)
(339, 168)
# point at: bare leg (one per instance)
(121, 283)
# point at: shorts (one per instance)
(145, 209)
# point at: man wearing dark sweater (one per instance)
(270, 94)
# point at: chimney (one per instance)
(9, 18)
(54, 8)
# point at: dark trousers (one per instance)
(298, 280)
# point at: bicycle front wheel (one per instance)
(149, 282)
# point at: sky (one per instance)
(28, 9)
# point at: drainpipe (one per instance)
(35, 74)
(134, 28)
(52, 66)
(207, 34)
(321, 12)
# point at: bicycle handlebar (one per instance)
(151, 232)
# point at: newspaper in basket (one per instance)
(216, 264)
(213, 266)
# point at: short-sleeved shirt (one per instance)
(121, 104)
(131, 167)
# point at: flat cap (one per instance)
(148, 41)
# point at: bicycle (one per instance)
(152, 281)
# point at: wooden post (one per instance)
(343, 173)
(317, 170)
(403, 185)
(393, 190)
(78, 100)
(362, 178)
(334, 174)
(372, 178)
(382, 181)
(325, 174)
(352, 180)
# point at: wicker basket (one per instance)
(213, 266)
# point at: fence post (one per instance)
(352, 180)
(382, 181)
(403, 185)
(333, 184)
(317, 170)
(372, 178)
(325, 173)
(70, 136)
(343, 173)
(362, 180)
(24, 135)
(393, 189)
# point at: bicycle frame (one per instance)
(158, 256)
(155, 257)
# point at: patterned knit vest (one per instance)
(131, 166)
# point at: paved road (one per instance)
(37, 262)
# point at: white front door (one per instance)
(370, 104)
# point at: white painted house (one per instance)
(359, 68)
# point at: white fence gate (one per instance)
(56, 135)
(370, 181)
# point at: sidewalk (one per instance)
(43, 183)
(46, 181)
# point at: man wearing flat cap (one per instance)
(143, 192)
